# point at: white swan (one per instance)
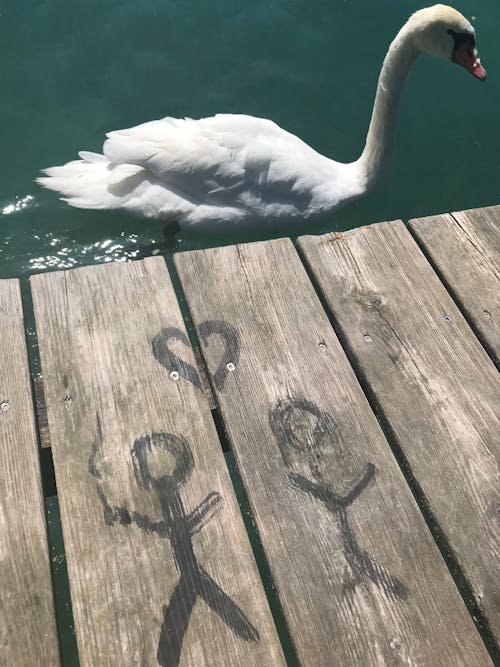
(236, 168)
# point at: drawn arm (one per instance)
(204, 512)
(360, 486)
(150, 526)
(312, 489)
(122, 516)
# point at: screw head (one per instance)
(230, 366)
(4, 406)
(367, 338)
(395, 644)
(174, 375)
(322, 347)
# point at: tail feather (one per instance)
(92, 182)
(96, 182)
(88, 156)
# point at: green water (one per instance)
(72, 70)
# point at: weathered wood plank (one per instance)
(433, 381)
(359, 577)
(161, 570)
(464, 247)
(28, 633)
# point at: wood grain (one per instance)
(160, 567)
(433, 381)
(359, 577)
(28, 633)
(464, 248)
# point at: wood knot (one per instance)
(368, 299)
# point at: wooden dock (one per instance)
(354, 377)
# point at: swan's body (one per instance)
(235, 168)
(221, 169)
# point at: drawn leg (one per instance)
(228, 610)
(175, 621)
(360, 562)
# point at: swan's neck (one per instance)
(380, 138)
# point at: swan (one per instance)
(240, 169)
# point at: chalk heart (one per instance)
(170, 348)
(215, 344)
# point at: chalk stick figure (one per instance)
(179, 527)
(291, 421)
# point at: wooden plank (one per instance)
(433, 381)
(464, 248)
(161, 570)
(27, 620)
(358, 574)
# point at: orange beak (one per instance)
(467, 57)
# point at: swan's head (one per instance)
(445, 33)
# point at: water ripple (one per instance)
(19, 204)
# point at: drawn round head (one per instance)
(300, 427)
(162, 461)
(443, 32)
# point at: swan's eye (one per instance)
(463, 40)
(464, 46)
